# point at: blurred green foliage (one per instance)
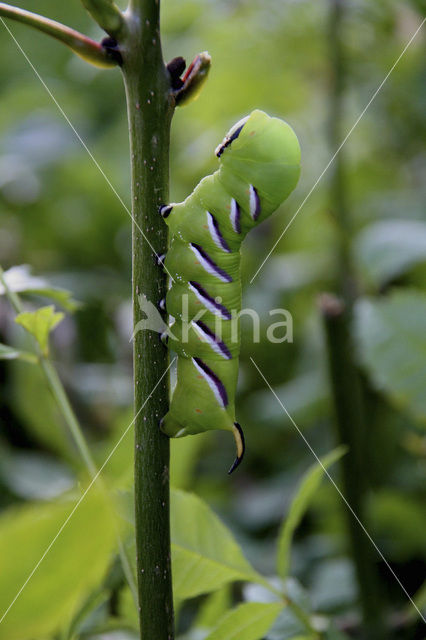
(58, 214)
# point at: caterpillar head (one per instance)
(264, 152)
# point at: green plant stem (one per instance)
(83, 46)
(107, 15)
(350, 427)
(338, 183)
(346, 384)
(302, 616)
(58, 392)
(150, 110)
(57, 389)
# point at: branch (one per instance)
(85, 47)
(107, 15)
(150, 109)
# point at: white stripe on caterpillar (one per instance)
(210, 303)
(208, 264)
(207, 334)
(235, 216)
(213, 381)
(215, 233)
(254, 203)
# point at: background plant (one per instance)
(58, 216)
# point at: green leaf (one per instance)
(20, 280)
(205, 556)
(249, 621)
(34, 476)
(213, 608)
(87, 612)
(389, 248)
(184, 454)
(204, 553)
(301, 501)
(40, 323)
(287, 627)
(391, 337)
(46, 424)
(128, 609)
(74, 565)
(62, 296)
(9, 353)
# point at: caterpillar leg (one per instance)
(165, 210)
(171, 428)
(241, 447)
(159, 259)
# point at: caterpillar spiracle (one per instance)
(259, 166)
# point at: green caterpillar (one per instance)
(259, 166)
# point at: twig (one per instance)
(86, 48)
(107, 15)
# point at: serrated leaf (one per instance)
(20, 280)
(391, 337)
(386, 249)
(9, 353)
(301, 501)
(249, 621)
(205, 554)
(75, 563)
(40, 323)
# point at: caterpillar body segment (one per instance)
(259, 165)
